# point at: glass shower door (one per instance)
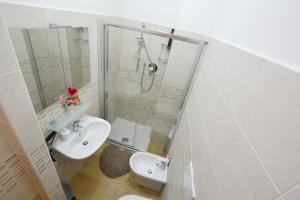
(130, 109)
(143, 104)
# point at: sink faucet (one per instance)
(161, 164)
(76, 125)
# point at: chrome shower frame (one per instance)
(104, 45)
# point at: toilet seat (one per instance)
(133, 197)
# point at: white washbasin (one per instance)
(86, 141)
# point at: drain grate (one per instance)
(125, 139)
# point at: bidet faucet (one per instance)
(161, 164)
(76, 125)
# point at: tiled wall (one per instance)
(15, 183)
(241, 130)
(18, 122)
(18, 17)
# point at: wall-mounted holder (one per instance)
(68, 117)
(164, 53)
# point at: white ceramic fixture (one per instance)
(148, 170)
(133, 197)
(86, 140)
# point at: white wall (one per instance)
(155, 11)
(164, 12)
(105, 7)
(268, 28)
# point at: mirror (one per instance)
(51, 60)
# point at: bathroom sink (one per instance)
(87, 140)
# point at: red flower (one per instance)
(72, 90)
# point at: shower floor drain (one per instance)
(125, 140)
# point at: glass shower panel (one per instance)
(143, 105)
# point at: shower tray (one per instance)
(130, 134)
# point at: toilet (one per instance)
(133, 197)
(147, 172)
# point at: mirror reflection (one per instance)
(51, 60)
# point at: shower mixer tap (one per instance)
(152, 67)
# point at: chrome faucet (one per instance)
(76, 126)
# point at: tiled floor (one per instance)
(156, 147)
(91, 184)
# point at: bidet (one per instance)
(149, 169)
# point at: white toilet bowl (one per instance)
(147, 172)
(133, 197)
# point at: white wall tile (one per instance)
(19, 16)
(14, 96)
(270, 114)
(204, 170)
(240, 173)
(5, 147)
(293, 193)
(251, 112)
(12, 138)
(233, 70)
(9, 60)
(29, 132)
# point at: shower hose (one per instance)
(142, 80)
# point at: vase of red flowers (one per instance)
(71, 100)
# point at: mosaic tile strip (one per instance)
(11, 171)
(36, 197)
(41, 159)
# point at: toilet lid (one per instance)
(133, 197)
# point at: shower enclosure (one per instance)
(147, 75)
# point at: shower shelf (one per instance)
(67, 117)
(164, 53)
